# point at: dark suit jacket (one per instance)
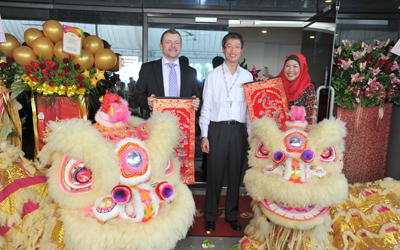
(151, 82)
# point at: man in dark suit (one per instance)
(166, 77)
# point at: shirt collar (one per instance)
(165, 61)
(226, 68)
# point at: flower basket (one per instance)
(366, 144)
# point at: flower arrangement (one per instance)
(8, 69)
(54, 78)
(365, 74)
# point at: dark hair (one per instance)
(216, 61)
(294, 58)
(170, 31)
(233, 35)
(184, 60)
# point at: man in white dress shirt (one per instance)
(166, 76)
(223, 121)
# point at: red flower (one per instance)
(383, 62)
(77, 66)
(67, 74)
(389, 64)
(27, 68)
(8, 65)
(65, 83)
(51, 84)
(45, 72)
(337, 69)
(47, 61)
(55, 67)
(33, 63)
(369, 58)
(66, 68)
(34, 79)
(44, 79)
(10, 59)
(65, 60)
(378, 63)
(79, 78)
(42, 66)
(35, 69)
(339, 59)
(51, 70)
(28, 73)
(60, 75)
(3, 65)
(50, 75)
(81, 85)
(36, 64)
(386, 70)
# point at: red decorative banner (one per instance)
(182, 108)
(267, 98)
(65, 108)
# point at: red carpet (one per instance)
(222, 228)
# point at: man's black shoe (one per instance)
(210, 226)
(235, 225)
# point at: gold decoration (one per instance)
(58, 51)
(8, 47)
(100, 74)
(116, 66)
(86, 61)
(93, 81)
(86, 73)
(43, 47)
(53, 30)
(93, 44)
(31, 34)
(23, 55)
(105, 59)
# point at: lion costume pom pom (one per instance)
(111, 185)
(294, 180)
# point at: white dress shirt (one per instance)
(215, 93)
(166, 71)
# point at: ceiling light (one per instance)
(312, 37)
(328, 1)
(264, 32)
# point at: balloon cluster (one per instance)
(48, 43)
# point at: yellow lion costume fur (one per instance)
(112, 185)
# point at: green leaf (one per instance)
(193, 247)
(234, 247)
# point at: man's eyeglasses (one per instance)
(233, 47)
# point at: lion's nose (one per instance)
(121, 194)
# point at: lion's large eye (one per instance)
(328, 155)
(133, 161)
(262, 151)
(74, 176)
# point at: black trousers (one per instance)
(227, 150)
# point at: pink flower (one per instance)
(370, 47)
(381, 43)
(395, 80)
(357, 55)
(348, 43)
(356, 78)
(363, 65)
(346, 64)
(391, 75)
(373, 83)
(374, 71)
(394, 66)
(383, 57)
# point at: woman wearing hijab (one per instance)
(298, 87)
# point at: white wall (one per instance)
(264, 55)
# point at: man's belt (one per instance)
(230, 122)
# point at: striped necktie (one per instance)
(173, 81)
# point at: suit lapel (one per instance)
(185, 85)
(159, 76)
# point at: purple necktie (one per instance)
(173, 81)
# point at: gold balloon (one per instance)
(58, 51)
(53, 30)
(43, 47)
(23, 55)
(106, 45)
(93, 44)
(105, 59)
(31, 34)
(86, 61)
(10, 44)
(116, 66)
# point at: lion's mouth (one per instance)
(293, 213)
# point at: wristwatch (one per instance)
(203, 137)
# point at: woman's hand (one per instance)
(262, 78)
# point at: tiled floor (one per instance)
(194, 242)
